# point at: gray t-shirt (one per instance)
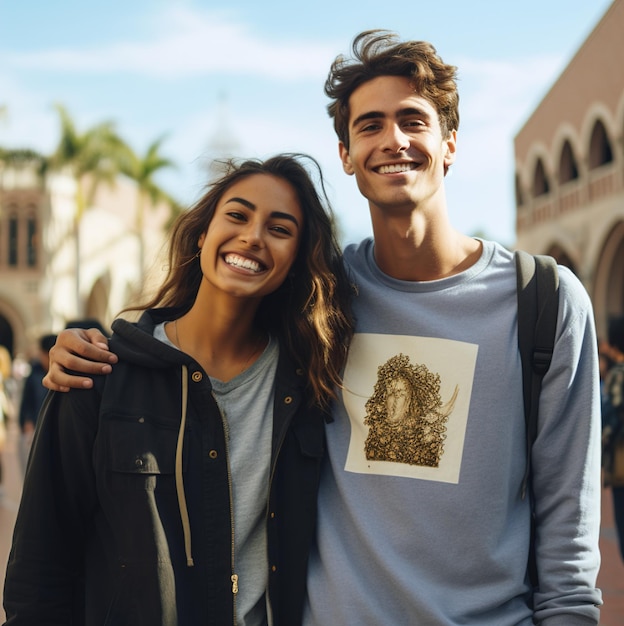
(246, 403)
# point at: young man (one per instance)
(421, 514)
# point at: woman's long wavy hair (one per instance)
(311, 311)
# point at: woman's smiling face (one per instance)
(253, 237)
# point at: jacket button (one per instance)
(272, 515)
(299, 371)
(213, 454)
(274, 568)
(288, 399)
(196, 376)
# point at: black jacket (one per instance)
(100, 536)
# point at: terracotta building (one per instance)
(569, 163)
(52, 272)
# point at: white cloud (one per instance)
(190, 43)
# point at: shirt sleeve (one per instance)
(566, 468)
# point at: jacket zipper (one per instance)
(268, 510)
(234, 576)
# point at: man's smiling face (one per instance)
(397, 152)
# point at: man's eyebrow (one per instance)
(251, 206)
(408, 111)
(375, 115)
(371, 115)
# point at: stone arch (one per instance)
(7, 336)
(600, 151)
(619, 130)
(12, 330)
(568, 164)
(541, 184)
(566, 154)
(598, 111)
(526, 169)
(608, 295)
(562, 257)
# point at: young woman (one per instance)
(181, 488)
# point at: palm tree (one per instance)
(143, 170)
(91, 158)
(17, 156)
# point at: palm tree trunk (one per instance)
(140, 226)
(80, 207)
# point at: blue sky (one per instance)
(254, 70)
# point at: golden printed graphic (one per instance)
(406, 415)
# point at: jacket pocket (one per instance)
(139, 452)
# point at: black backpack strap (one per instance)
(538, 305)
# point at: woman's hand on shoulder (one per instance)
(78, 350)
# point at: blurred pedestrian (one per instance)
(33, 395)
(613, 425)
(6, 406)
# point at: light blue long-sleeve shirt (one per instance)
(420, 516)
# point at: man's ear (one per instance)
(345, 158)
(451, 148)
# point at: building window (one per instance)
(600, 152)
(31, 242)
(13, 241)
(568, 169)
(540, 182)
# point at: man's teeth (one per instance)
(396, 168)
(239, 261)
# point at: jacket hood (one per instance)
(135, 342)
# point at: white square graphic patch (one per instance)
(407, 399)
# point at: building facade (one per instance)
(569, 164)
(54, 268)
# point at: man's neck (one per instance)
(420, 250)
